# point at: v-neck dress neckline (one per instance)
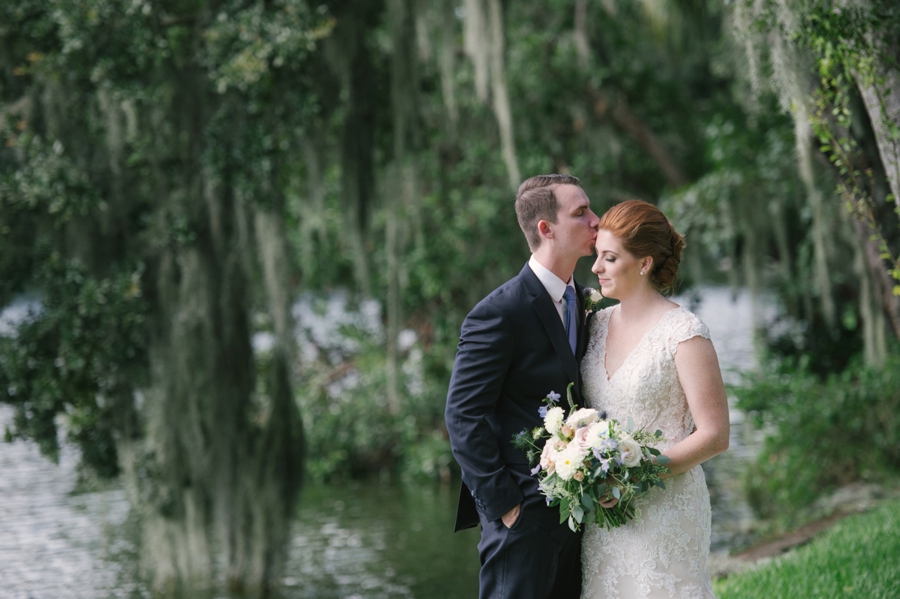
(646, 335)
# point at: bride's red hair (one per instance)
(644, 231)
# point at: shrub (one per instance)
(820, 434)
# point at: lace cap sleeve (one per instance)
(686, 326)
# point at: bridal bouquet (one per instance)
(586, 459)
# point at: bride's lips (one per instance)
(602, 281)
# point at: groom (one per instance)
(518, 344)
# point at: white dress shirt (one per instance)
(553, 284)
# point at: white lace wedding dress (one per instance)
(664, 551)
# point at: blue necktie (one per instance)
(571, 317)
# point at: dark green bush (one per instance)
(821, 433)
(80, 355)
(353, 431)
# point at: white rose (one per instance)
(631, 452)
(596, 296)
(583, 417)
(553, 420)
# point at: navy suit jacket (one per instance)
(512, 352)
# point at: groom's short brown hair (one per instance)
(535, 201)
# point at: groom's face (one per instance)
(575, 230)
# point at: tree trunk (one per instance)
(882, 102)
(820, 233)
(225, 457)
(351, 59)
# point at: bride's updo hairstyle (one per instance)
(644, 231)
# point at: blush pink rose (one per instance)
(548, 458)
(582, 438)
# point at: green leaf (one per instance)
(616, 493)
(587, 501)
(897, 290)
(578, 513)
(661, 459)
(572, 526)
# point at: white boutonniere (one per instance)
(592, 299)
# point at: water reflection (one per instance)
(359, 540)
(55, 544)
(380, 541)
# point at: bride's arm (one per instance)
(701, 379)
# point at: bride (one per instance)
(651, 359)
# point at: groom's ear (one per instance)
(544, 230)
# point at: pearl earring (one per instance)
(642, 273)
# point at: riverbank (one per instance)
(856, 557)
(853, 499)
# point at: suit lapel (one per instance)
(543, 305)
(582, 324)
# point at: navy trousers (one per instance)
(538, 558)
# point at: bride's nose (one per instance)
(597, 268)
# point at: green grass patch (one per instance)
(858, 557)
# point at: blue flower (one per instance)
(536, 469)
(519, 439)
(542, 412)
(604, 462)
(553, 397)
(608, 445)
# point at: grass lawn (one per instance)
(858, 557)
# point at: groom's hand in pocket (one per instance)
(510, 517)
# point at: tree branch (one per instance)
(617, 108)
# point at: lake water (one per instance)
(358, 540)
